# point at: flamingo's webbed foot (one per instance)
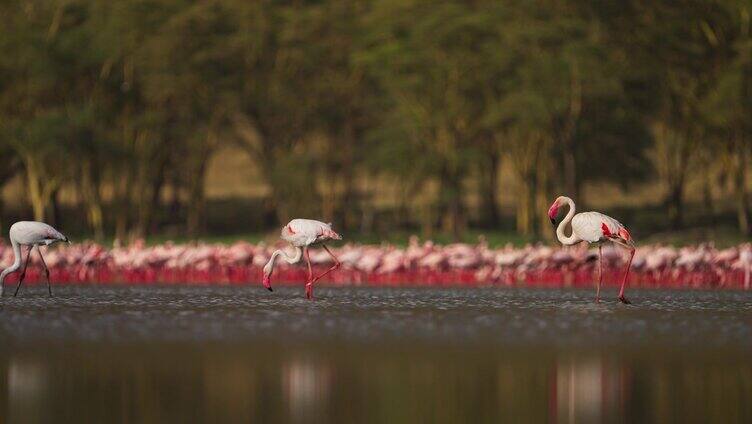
(309, 291)
(624, 300)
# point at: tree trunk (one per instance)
(676, 204)
(329, 197)
(571, 178)
(197, 199)
(53, 217)
(530, 160)
(151, 189)
(122, 203)
(123, 180)
(490, 191)
(452, 210)
(742, 197)
(39, 190)
(526, 206)
(428, 215)
(677, 163)
(89, 188)
(454, 221)
(542, 221)
(347, 212)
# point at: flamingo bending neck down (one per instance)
(593, 227)
(30, 234)
(302, 234)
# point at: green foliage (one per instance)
(131, 98)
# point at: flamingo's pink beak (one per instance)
(268, 282)
(553, 211)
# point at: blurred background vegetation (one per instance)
(176, 118)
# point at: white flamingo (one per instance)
(30, 234)
(593, 227)
(302, 234)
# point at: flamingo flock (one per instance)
(419, 262)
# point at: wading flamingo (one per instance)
(302, 234)
(593, 227)
(30, 234)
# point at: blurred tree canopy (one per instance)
(125, 103)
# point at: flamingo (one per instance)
(745, 258)
(593, 227)
(30, 234)
(302, 234)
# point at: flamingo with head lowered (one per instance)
(302, 234)
(593, 227)
(30, 234)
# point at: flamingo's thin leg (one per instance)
(23, 273)
(335, 266)
(46, 271)
(309, 281)
(600, 274)
(626, 275)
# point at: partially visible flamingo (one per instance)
(302, 234)
(593, 227)
(745, 258)
(30, 234)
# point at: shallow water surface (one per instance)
(180, 353)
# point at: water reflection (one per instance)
(27, 381)
(305, 384)
(371, 384)
(587, 390)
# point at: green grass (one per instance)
(648, 225)
(721, 237)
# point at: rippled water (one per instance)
(374, 355)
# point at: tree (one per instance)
(728, 106)
(427, 58)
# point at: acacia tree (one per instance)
(272, 115)
(678, 62)
(341, 98)
(42, 68)
(427, 59)
(556, 72)
(728, 105)
(190, 78)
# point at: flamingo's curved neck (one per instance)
(15, 266)
(269, 267)
(572, 239)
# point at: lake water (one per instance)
(187, 353)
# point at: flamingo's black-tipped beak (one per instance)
(553, 211)
(268, 283)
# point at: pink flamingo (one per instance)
(30, 234)
(302, 234)
(593, 227)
